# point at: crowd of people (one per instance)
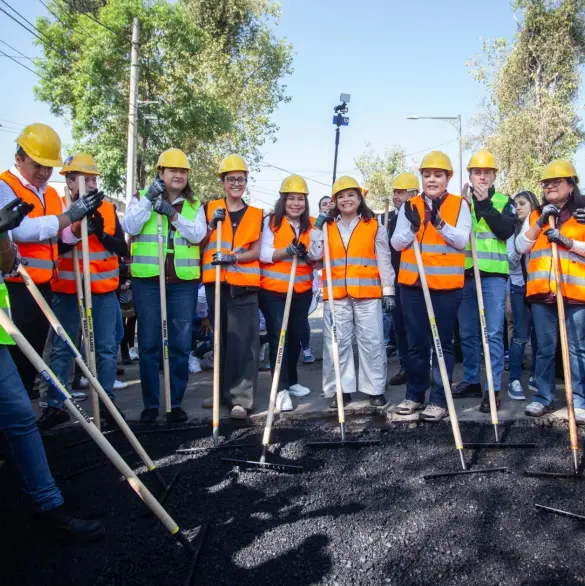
(373, 273)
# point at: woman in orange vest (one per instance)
(240, 283)
(286, 234)
(561, 199)
(363, 280)
(441, 222)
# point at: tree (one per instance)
(212, 68)
(529, 117)
(379, 171)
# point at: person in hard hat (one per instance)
(284, 236)
(184, 227)
(38, 152)
(441, 222)
(105, 243)
(17, 419)
(363, 284)
(561, 197)
(240, 282)
(494, 221)
(404, 187)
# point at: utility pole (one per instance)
(339, 120)
(132, 114)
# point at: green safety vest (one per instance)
(144, 247)
(5, 339)
(492, 254)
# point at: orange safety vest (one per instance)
(103, 264)
(275, 276)
(354, 271)
(444, 264)
(541, 279)
(244, 274)
(41, 255)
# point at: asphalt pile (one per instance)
(353, 516)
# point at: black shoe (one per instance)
(485, 404)
(148, 415)
(64, 527)
(76, 382)
(177, 415)
(333, 400)
(106, 416)
(378, 400)
(399, 378)
(120, 371)
(465, 389)
(51, 417)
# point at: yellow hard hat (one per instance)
(346, 182)
(294, 184)
(173, 159)
(232, 163)
(482, 160)
(559, 168)
(80, 163)
(437, 160)
(406, 181)
(42, 144)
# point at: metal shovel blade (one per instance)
(459, 472)
(194, 552)
(279, 467)
(540, 474)
(224, 446)
(560, 512)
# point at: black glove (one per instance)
(554, 235)
(157, 187)
(84, 205)
(224, 258)
(12, 214)
(547, 211)
(296, 248)
(218, 216)
(579, 215)
(436, 219)
(321, 219)
(164, 208)
(95, 225)
(388, 303)
(412, 216)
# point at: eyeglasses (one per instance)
(236, 180)
(551, 184)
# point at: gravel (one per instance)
(354, 516)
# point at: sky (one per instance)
(396, 59)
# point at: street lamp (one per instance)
(454, 121)
(340, 120)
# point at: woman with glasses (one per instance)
(561, 198)
(240, 281)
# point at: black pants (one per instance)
(239, 344)
(272, 306)
(32, 323)
(129, 334)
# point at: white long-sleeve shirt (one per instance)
(457, 236)
(524, 245)
(34, 229)
(267, 240)
(382, 250)
(139, 211)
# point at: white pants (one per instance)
(362, 318)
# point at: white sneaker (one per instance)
(119, 385)
(194, 364)
(133, 353)
(83, 383)
(298, 390)
(207, 361)
(78, 395)
(283, 402)
(433, 413)
(408, 407)
(580, 416)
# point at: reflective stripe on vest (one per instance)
(443, 263)
(492, 254)
(248, 231)
(354, 271)
(275, 276)
(5, 339)
(144, 247)
(42, 255)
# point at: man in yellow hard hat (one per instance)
(106, 243)
(494, 221)
(37, 153)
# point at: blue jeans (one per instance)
(23, 441)
(181, 305)
(104, 324)
(494, 299)
(400, 332)
(546, 325)
(521, 332)
(420, 342)
(119, 331)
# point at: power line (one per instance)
(91, 17)
(11, 47)
(291, 173)
(12, 122)
(59, 19)
(27, 21)
(22, 65)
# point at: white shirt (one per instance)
(267, 240)
(457, 236)
(34, 229)
(524, 244)
(382, 250)
(515, 263)
(139, 211)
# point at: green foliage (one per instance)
(213, 68)
(529, 117)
